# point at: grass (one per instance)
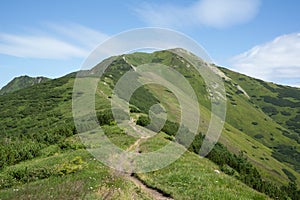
(92, 181)
(260, 155)
(257, 89)
(251, 116)
(245, 121)
(47, 107)
(192, 177)
(244, 116)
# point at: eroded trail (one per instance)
(154, 193)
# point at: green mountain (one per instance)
(257, 156)
(21, 82)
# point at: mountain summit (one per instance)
(22, 82)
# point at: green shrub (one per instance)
(229, 170)
(270, 110)
(281, 102)
(7, 181)
(105, 117)
(290, 175)
(258, 136)
(71, 167)
(143, 120)
(170, 127)
(285, 113)
(24, 174)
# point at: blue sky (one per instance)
(260, 38)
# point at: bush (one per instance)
(270, 110)
(143, 120)
(170, 127)
(14, 151)
(289, 154)
(71, 167)
(258, 136)
(105, 117)
(281, 102)
(6, 181)
(229, 170)
(290, 175)
(285, 113)
(24, 174)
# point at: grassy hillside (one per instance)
(20, 83)
(74, 174)
(40, 149)
(244, 118)
(281, 105)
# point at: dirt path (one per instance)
(155, 194)
(152, 192)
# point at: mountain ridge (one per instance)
(42, 114)
(21, 82)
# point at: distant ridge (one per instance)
(22, 82)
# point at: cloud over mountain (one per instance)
(276, 60)
(56, 42)
(212, 13)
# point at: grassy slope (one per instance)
(273, 129)
(93, 180)
(48, 105)
(237, 141)
(284, 110)
(40, 177)
(244, 119)
(192, 177)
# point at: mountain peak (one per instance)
(21, 82)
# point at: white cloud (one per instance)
(38, 47)
(277, 60)
(65, 42)
(214, 13)
(222, 13)
(297, 84)
(84, 35)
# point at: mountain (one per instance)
(21, 82)
(257, 156)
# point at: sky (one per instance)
(260, 38)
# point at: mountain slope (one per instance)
(40, 147)
(244, 118)
(21, 82)
(281, 104)
(63, 165)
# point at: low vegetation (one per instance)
(42, 157)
